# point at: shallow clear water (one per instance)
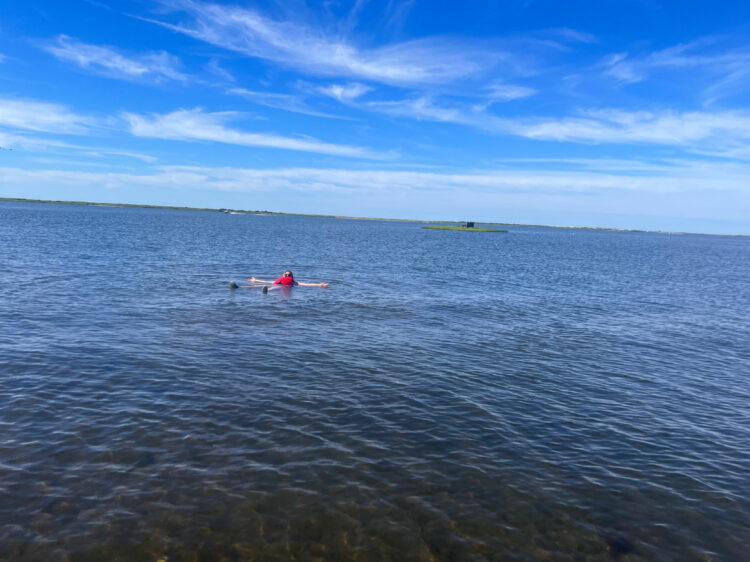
(540, 394)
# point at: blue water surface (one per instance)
(553, 394)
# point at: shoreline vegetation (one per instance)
(441, 225)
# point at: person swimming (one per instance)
(286, 280)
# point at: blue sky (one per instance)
(625, 114)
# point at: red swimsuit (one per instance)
(286, 281)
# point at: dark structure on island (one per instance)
(467, 226)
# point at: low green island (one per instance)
(451, 226)
(463, 228)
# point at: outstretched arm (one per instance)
(256, 280)
(312, 284)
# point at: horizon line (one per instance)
(346, 217)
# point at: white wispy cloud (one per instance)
(347, 24)
(185, 125)
(216, 69)
(8, 141)
(508, 92)
(731, 150)
(717, 70)
(573, 35)
(286, 102)
(37, 143)
(45, 144)
(42, 117)
(126, 154)
(619, 66)
(696, 131)
(344, 92)
(725, 134)
(313, 50)
(112, 62)
(650, 167)
(617, 126)
(197, 125)
(677, 177)
(397, 12)
(426, 109)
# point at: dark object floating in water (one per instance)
(146, 460)
(265, 289)
(233, 285)
(619, 545)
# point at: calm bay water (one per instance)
(540, 394)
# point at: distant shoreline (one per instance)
(276, 213)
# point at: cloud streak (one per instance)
(39, 144)
(719, 134)
(344, 93)
(286, 102)
(42, 117)
(508, 92)
(594, 177)
(184, 125)
(721, 71)
(696, 130)
(197, 125)
(617, 126)
(109, 61)
(311, 50)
